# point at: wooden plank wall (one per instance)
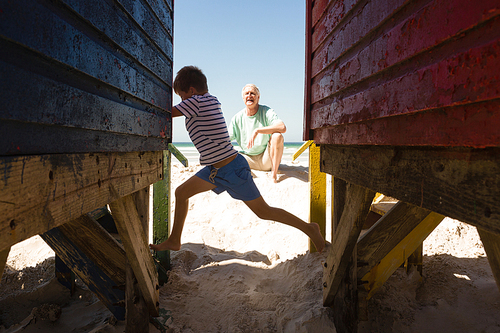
(403, 72)
(85, 76)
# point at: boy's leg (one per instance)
(265, 212)
(186, 190)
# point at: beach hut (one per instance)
(85, 90)
(403, 99)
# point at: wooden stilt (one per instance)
(415, 259)
(129, 225)
(161, 217)
(137, 313)
(491, 242)
(3, 260)
(350, 206)
(345, 303)
(317, 192)
(357, 204)
(65, 275)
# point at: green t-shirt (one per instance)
(242, 127)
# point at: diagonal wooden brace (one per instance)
(357, 205)
(134, 241)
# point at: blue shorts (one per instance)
(234, 177)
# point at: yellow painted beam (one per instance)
(317, 192)
(378, 198)
(398, 255)
(301, 149)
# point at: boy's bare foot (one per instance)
(166, 245)
(317, 237)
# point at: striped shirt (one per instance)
(207, 128)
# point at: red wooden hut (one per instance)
(403, 97)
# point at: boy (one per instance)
(225, 169)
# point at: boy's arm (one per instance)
(176, 113)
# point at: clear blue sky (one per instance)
(239, 42)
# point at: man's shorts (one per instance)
(234, 177)
(261, 161)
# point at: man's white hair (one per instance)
(251, 85)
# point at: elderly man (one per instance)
(258, 131)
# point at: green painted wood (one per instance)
(161, 216)
(178, 154)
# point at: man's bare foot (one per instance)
(317, 237)
(166, 245)
(275, 177)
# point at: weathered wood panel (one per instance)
(38, 193)
(99, 67)
(369, 62)
(462, 183)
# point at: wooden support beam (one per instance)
(415, 260)
(97, 245)
(376, 277)
(357, 204)
(40, 192)
(462, 183)
(317, 192)
(161, 217)
(345, 303)
(65, 275)
(3, 260)
(491, 243)
(137, 313)
(389, 231)
(141, 199)
(135, 242)
(96, 280)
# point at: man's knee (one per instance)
(277, 139)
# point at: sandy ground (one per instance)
(236, 273)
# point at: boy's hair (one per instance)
(190, 76)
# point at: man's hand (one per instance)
(252, 138)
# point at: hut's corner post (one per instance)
(4, 254)
(307, 133)
(351, 204)
(491, 243)
(161, 216)
(317, 192)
